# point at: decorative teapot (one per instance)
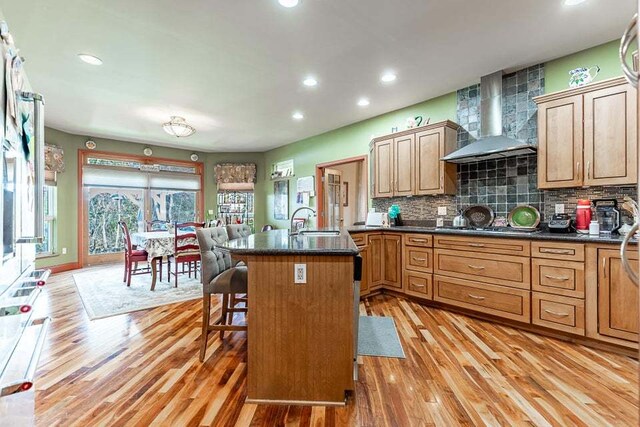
(581, 76)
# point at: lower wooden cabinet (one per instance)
(364, 282)
(617, 296)
(558, 312)
(392, 260)
(500, 301)
(418, 284)
(375, 265)
(558, 277)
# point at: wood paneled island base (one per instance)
(301, 336)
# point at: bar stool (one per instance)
(218, 277)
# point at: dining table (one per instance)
(158, 244)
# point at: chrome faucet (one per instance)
(293, 215)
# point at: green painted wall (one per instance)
(348, 141)
(605, 56)
(67, 214)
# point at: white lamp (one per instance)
(178, 127)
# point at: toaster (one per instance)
(561, 223)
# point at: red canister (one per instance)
(583, 216)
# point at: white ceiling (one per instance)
(234, 68)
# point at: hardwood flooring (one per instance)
(143, 369)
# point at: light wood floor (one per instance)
(143, 368)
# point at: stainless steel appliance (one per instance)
(607, 214)
(21, 227)
(460, 221)
(561, 223)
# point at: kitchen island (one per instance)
(301, 324)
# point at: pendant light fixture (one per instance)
(178, 127)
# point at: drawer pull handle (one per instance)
(418, 259)
(476, 245)
(555, 313)
(556, 277)
(418, 240)
(475, 267)
(417, 285)
(476, 297)
(557, 251)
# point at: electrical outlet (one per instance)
(559, 208)
(442, 210)
(64, 251)
(439, 222)
(300, 273)
(210, 211)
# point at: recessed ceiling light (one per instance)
(297, 115)
(288, 3)
(572, 2)
(310, 82)
(388, 77)
(363, 102)
(90, 59)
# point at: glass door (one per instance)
(104, 207)
(173, 205)
(333, 198)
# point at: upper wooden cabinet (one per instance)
(587, 136)
(408, 163)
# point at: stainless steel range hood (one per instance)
(493, 144)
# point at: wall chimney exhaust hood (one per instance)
(493, 144)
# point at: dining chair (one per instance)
(219, 277)
(186, 251)
(157, 225)
(132, 256)
(236, 231)
(267, 227)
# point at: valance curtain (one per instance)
(53, 163)
(235, 176)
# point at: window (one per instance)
(47, 247)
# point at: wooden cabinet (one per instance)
(617, 296)
(558, 312)
(366, 262)
(408, 163)
(418, 284)
(558, 277)
(403, 167)
(376, 266)
(432, 175)
(610, 136)
(588, 136)
(392, 260)
(383, 168)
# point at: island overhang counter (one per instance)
(302, 313)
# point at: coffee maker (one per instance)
(607, 214)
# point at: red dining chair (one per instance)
(132, 256)
(186, 250)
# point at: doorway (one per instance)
(341, 188)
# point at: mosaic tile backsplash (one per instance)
(501, 184)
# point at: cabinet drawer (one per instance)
(494, 269)
(422, 240)
(558, 277)
(484, 245)
(558, 250)
(418, 284)
(491, 299)
(418, 259)
(557, 312)
(359, 239)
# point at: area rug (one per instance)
(377, 336)
(104, 294)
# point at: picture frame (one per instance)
(281, 200)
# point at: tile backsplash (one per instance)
(505, 183)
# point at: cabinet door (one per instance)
(429, 148)
(383, 168)
(560, 143)
(617, 296)
(364, 282)
(376, 266)
(610, 136)
(392, 260)
(403, 167)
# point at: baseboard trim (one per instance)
(64, 267)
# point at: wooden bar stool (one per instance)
(218, 277)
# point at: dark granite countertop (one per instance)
(279, 242)
(541, 234)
